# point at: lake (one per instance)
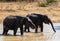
(47, 35)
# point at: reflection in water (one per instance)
(29, 37)
(57, 27)
(47, 35)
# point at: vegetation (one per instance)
(42, 4)
(51, 1)
(15, 0)
(47, 3)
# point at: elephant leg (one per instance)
(36, 29)
(25, 29)
(5, 31)
(15, 30)
(28, 29)
(21, 30)
(41, 27)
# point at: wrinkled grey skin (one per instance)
(38, 20)
(15, 22)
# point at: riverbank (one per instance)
(22, 9)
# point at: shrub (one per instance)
(51, 1)
(42, 4)
(47, 3)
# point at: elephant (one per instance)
(15, 22)
(38, 20)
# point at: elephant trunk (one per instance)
(32, 24)
(52, 25)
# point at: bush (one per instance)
(42, 4)
(51, 1)
(47, 3)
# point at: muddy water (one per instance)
(47, 35)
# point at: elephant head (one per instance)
(48, 21)
(27, 21)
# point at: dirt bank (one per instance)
(24, 8)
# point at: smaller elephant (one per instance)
(38, 20)
(15, 22)
(28, 24)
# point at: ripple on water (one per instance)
(45, 36)
(57, 27)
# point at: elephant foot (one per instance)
(41, 31)
(54, 31)
(21, 33)
(36, 32)
(28, 30)
(14, 34)
(4, 34)
(24, 30)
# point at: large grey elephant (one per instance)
(13, 22)
(38, 20)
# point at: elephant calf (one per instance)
(13, 22)
(38, 20)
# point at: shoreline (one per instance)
(22, 9)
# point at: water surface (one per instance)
(47, 35)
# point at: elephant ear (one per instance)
(46, 19)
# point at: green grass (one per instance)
(47, 3)
(51, 1)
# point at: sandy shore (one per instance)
(24, 8)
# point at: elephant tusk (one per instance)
(30, 21)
